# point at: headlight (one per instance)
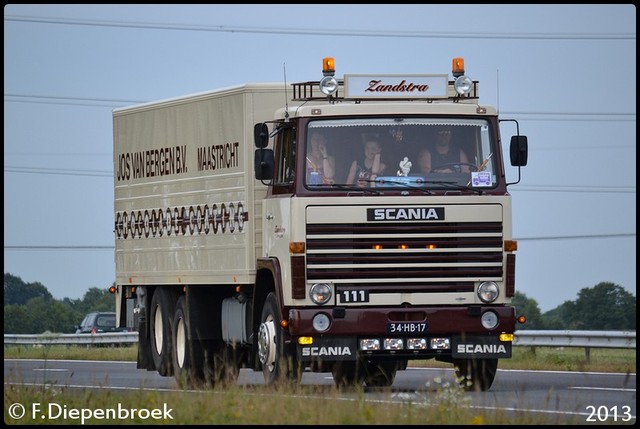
(488, 291)
(320, 293)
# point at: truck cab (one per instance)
(396, 227)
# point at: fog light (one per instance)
(321, 322)
(489, 320)
(439, 343)
(416, 344)
(370, 344)
(393, 344)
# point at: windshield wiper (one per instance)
(352, 188)
(404, 184)
(455, 185)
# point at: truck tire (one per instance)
(277, 364)
(160, 321)
(476, 374)
(188, 365)
(200, 363)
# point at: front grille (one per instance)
(405, 257)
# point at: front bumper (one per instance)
(444, 332)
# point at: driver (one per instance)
(444, 157)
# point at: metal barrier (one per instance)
(115, 338)
(586, 339)
(593, 339)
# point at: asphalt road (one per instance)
(598, 398)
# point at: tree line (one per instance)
(29, 308)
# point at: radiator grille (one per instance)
(405, 257)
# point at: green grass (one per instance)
(125, 353)
(260, 405)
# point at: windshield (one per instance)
(400, 153)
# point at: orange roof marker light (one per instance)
(328, 84)
(328, 66)
(457, 67)
(463, 83)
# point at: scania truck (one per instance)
(243, 245)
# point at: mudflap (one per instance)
(479, 347)
(328, 349)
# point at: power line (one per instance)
(520, 188)
(572, 237)
(587, 189)
(523, 188)
(561, 237)
(69, 101)
(552, 116)
(323, 32)
(59, 247)
(105, 100)
(59, 171)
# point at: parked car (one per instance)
(99, 322)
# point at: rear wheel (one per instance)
(200, 363)
(188, 362)
(476, 374)
(160, 321)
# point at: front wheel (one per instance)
(277, 364)
(476, 374)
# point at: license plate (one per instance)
(407, 328)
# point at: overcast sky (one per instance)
(566, 73)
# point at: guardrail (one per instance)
(115, 338)
(593, 339)
(585, 339)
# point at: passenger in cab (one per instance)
(320, 165)
(444, 156)
(363, 171)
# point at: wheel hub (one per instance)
(266, 343)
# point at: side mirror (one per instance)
(263, 164)
(519, 150)
(261, 135)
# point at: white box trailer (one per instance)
(184, 177)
